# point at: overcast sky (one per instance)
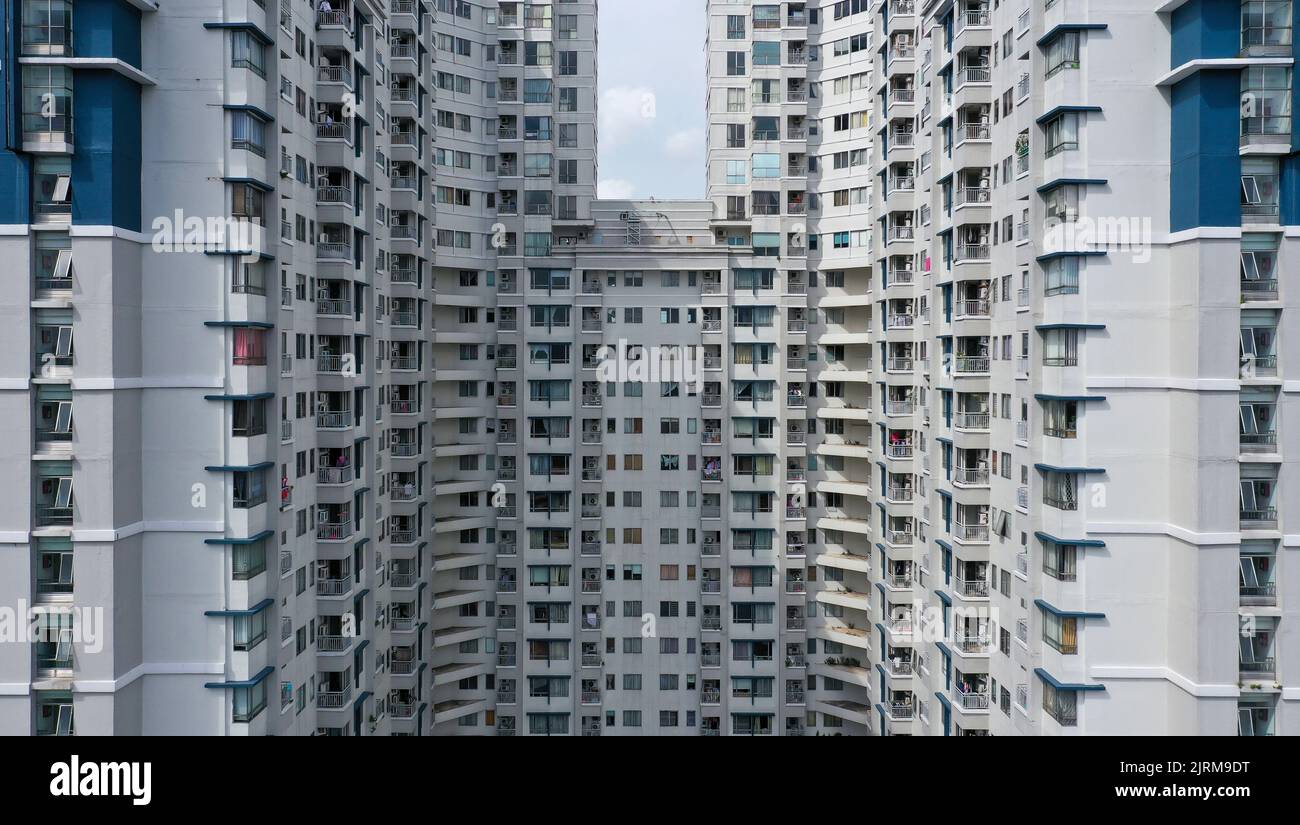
(651, 76)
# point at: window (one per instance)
(54, 561)
(248, 702)
(1060, 561)
(1061, 276)
(735, 171)
(248, 131)
(248, 418)
(1061, 632)
(735, 135)
(1062, 53)
(537, 90)
(1266, 101)
(1265, 23)
(1059, 490)
(247, 561)
(767, 53)
(537, 128)
(249, 489)
(47, 27)
(246, 202)
(1062, 133)
(52, 198)
(246, 52)
(1062, 203)
(249, 630)
(1061, 705)
(766, 244)
(249, 346)
(537, 53)
(1060, 347)
(47, 103)
(766, 166)
(537, 243)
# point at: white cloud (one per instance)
(625, 110)
(615, 189)
(684, 142)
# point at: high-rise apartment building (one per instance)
(338, 405)
(248, 358)
(1081, 273)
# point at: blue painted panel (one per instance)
(1205, 164)
(15, 168)
(1290, 190)
(106, 167)
(1206, 29)
(106, 28)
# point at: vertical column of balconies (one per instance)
(1006, 579)
(463, 383)
(548, 452)
(964, 105)
(898, 326)
(39, 373)
(402, 80)
(919, 272)
(587, 541)
(757, 508)
(334, 257)
(1267, 306)
(841, 486)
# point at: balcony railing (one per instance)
(971, 364)
(1263, 516)
(971, 588)
(971, 532)
(970, 475)
(971, 700)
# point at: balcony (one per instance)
(971, 532)
(899, 538)
(332, 643)
(900, 711)
(334, 531)
(972, 476)
(899, 581)
(899, 449)
(333, 699)
(975, 644)
(970, 699)
(971, 588)
(1258, 667)
(972, 19)
(971, 364)
(1259, 518)
(333, 19)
